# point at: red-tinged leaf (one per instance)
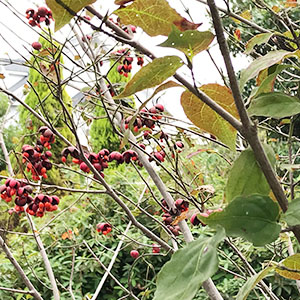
(155, 17)
(61, 15)
(205, 118)
(152, 74)
(183, 24)
(237, 34)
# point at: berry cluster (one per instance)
(146, 119)
(36, 159)
(21, 190)
(42, 203)
(98, 160)
(104, 228)
(125, 64)
(168, 216)
(43, 14)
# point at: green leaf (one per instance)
(290, 267)
(245, 177)
(267, 84)
(292, 215)
(205, 118)
(251, 217)
(181, 277)
(257, 40)
(190, 42)
(152, 74)
(252, 282)
(262, 63)
(275, 105)
(61, 15)
(155, 17)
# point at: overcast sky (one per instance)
(14, 28)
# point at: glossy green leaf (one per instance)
(152, 74)
(292, 215)
(275, 105)
(251, 217)
(261, 63)
(252, 282)
(290, 267)
(181, 277)
(61, 15)
(259, 39)
(190, 42)
(155, 17)
(246, 177)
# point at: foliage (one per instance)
(230, 187)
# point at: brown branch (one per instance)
(249, 129)
(25, 279)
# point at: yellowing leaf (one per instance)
(61, 15)
(291, 3)
(276, 8)
(152, 74)
(77, 57)
(190, 42)
(290, 267)
(205, 118)
(2, 76)
(155, 17)
(245, 14)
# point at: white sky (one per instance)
(14, 28)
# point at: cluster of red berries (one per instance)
(42, 203)
(43, 14)
(98, 160)
(168, 216)
(104, 228)
(36, 159)
(147, 118)
(125, 65)
(21, 190)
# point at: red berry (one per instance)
(155, 248)
(42, 11)
(36, 45)
(134, 253)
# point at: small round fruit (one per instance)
(134, 253)
(36, 45)
(155, 248)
